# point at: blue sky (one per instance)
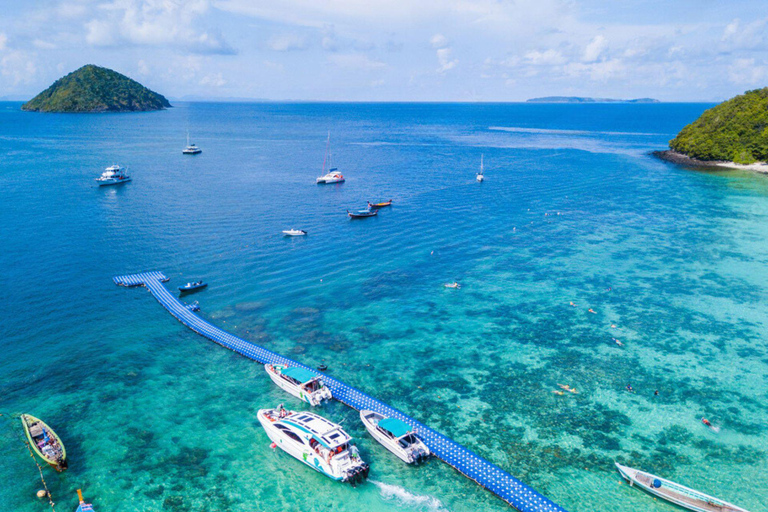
(394, 50)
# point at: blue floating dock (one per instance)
(465, 461)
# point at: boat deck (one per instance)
(684, 499)
(488, 475)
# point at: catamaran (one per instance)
(480, 176)
(676, 493)
(191, 149)
(396, 436)
(113, 175)
(299, 382)
(315, 441)
(44, 441)
(333, 175)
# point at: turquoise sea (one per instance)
(673, 262)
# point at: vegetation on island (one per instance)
(735, 130)
(96, 89)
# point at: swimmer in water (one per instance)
(656, 393)
(572, 304)
(706, 422)
(630, 389)
(591, 310)
(618, 342)
(561, 393)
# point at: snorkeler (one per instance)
(630, 389)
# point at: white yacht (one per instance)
(333, 175)
(315, 441)
(480, 176)
(113, 175)
(396, 436)
(294, 232)
(300, 382)
(191, 149)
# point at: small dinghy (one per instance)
(396, 436)
(676, 493)
(372, 206)
(45, 442)
(191, 287)
(300, 382)
(315, 441)
(361, 214)
(83, 506)
(294, 232)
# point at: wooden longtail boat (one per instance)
(361, 214)
(45, 442)
(676, 493)
(380, 205)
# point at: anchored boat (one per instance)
(372, 206)
(83, 507)
(396, 436)
(361, 214)
(676, 493)
(45, 442)
(480, 176)
(190, 287)
(315, 441)
(191, 149)
(333, 175)
(299, 382)
(294, 232)
(113, 175)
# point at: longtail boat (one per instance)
(83, 506)
(361, 214)
(676, 493)
(380, 205)
(45, 442)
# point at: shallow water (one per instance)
(572, 210)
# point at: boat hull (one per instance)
(190, 152)
(108, 182)
(184, 289)
(672, 492)
(323, 181)
(60, 463)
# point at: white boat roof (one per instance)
(329, 433)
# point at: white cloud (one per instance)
(438, 41)
(213, 80)
(3, 41)
(445, 60)
(355, 61)
(143, 68)
(748, 73)
(43, 45)
(18, 66)
(154, 23)
(287, 42)
(549, 57)
(595, 49)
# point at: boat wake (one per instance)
(519, 129)
(404, 498)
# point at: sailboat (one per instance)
(480, 176)
(191, 149)
(333, 175)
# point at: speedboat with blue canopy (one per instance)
(315, 441)
(396, 436)
(675, 493)
(191, 287)
(300, 382)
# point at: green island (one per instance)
(96, 89)
(733, 131)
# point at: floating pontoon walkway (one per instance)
(470, 464)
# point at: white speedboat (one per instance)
(315, 441)
(480, 176)
(113, 175)
(294, 232)
(299, 382)
(333, 175)
(396, 436)
(679, 495)
(191, 149)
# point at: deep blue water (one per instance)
(572, 210)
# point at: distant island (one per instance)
(731, 134)
(96, 89)
(579, 99)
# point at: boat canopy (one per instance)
(300, 374)
(396, 427)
